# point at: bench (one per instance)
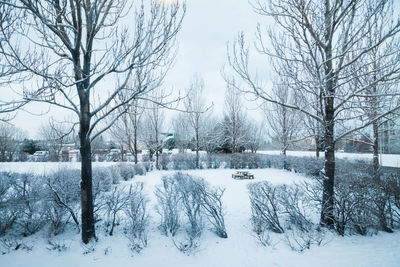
(242, 175)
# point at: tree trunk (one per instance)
(285, 164)
(327, 215)
(327, 218)
(88, 231)
(135, 150)
(157, 148)
(197, 149)
(375, 147)
(317, 146)
(327, 211)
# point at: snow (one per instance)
(240, 249)
(388, 160)
(45, 167)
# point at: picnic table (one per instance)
(242, 175)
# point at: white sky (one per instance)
(207, 27)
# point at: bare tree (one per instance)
(212, 133)
(314, 129)
(234, 119)
(284, 122)
(10, 141)
(182, 131)
(147, 78)
(154, 118)
(195, 108)
(255, 136)
(126, 129)
(10, 70)
(56, 136)
(315, 49)
(380, 95)
(81, 47)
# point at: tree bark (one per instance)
(197, 149)
(135, 149)
(88, 231)
(327, 217)
(375, 147)
(317, 146)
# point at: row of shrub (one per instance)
(187, 161)
(364, 203)
(30, 202)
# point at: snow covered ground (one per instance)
(240, 249)
(389, 160)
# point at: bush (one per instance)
(196, 199)
(126, 170)
(115, 174)
(212, 204)
(168, 206)
(64, 195)
(266, 209)
(30, 195)
(164, 161)
(140, 169)
(188, 189)
(284, 209)
(183, 161)
(136, 213)
(115, 203)
(393, 190)
(8, 203)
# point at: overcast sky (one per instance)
(207, 27)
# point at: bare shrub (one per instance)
(115, 174)
(164, 161)
(14, 244)
(64, 196)
(8, 209)
(115, 202)
(140, 169)
(354, 204)
(285, 209)
(126, 170)
(189, 191)
(262, 234)
(58, 217)
(196, 199)
(168, 206)
(102, 180)
(393, 187)
(31, 204)
(265, 207)
(137, 216)
(299, 240)
(184, 161)
(297, 207)
(148, 166)
(212, 204)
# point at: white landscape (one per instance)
(174, 133)
(240, 249)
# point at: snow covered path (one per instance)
(240, 249)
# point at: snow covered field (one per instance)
(240, 249)
(389, 160)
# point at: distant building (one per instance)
(69, 153)
(390, 136)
